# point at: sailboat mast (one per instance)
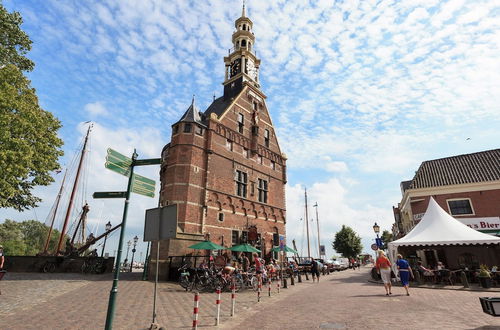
(307, 226)
(317, 222)
(58, 199)
(73, 192)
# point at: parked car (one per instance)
(336, 266)
(344, 263)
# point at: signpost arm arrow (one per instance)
(114, 289)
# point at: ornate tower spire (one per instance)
(242, 62)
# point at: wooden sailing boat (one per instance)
(81, 223)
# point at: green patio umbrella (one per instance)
(244, 248)
(286, 249)
(207, 245)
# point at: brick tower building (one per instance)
(223, 167)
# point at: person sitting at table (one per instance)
(439, 273)
(426, 272)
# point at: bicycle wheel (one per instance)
(255, 283)
(184, 282)
(239, 284)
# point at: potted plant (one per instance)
(484, 277)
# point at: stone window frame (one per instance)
(241, 180)
(267, 135)
(241, 122)
(263, 190)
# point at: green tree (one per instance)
(347, 242)
(29, 146)
(12, 238)
(26, 238)
(386, 238)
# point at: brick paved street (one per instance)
(342, 300)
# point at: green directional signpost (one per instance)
(143, 186)
(138, 184)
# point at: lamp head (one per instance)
(108, 226)
(136, 239)
(376, 228)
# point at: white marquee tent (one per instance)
(439, 228)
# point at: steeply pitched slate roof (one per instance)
(218, 107)
(470, 168)
(191, 115)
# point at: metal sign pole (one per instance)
(156, 282)
(114, 289)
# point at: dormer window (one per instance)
(241, 122)
(187, 128)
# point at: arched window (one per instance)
(244, 27)
(237, 44)
(243, 43)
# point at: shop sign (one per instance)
(482, 224)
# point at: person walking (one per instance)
(2, 260)
(314, 269)
(404, 272)
(258, 267)
(383, 266)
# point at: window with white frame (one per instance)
(460, 206)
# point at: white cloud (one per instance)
(96, 109)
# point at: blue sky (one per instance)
(360, 92)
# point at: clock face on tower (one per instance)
(235, 67)
(251, 69)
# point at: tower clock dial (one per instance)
(235, 67)
(251, 69)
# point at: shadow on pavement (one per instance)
(134, 276)
(361, 276)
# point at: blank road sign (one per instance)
(160, 223)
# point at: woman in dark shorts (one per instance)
(314, 270)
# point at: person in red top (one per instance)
(258, 267)
(384, 268)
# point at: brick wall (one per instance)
(485, 203)
(198, 174)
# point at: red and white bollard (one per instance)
(217, 304)
(233, 298)
(259, 289)
(269, 287)
(196, 309)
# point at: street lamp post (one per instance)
(128, 248)
(376, 229)
(133, 252)
(108, 227)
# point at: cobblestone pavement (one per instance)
(74, 301)
(343, 300)
(347, 301)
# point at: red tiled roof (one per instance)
(470, 168)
